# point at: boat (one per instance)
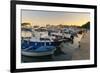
(38, 48)
(41, 44)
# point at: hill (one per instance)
(86, 25)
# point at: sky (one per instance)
(41, 18)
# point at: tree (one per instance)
(86, 25)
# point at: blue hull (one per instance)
(38, 46)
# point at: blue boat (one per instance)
(38, 48)
(41, 44)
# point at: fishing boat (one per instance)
(38, 42)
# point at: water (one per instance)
(59, 55)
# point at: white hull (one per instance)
(38, 53)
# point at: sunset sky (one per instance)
(42, 18)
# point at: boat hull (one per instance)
(38, 48)
(26, 53)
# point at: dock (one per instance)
(83, 53)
